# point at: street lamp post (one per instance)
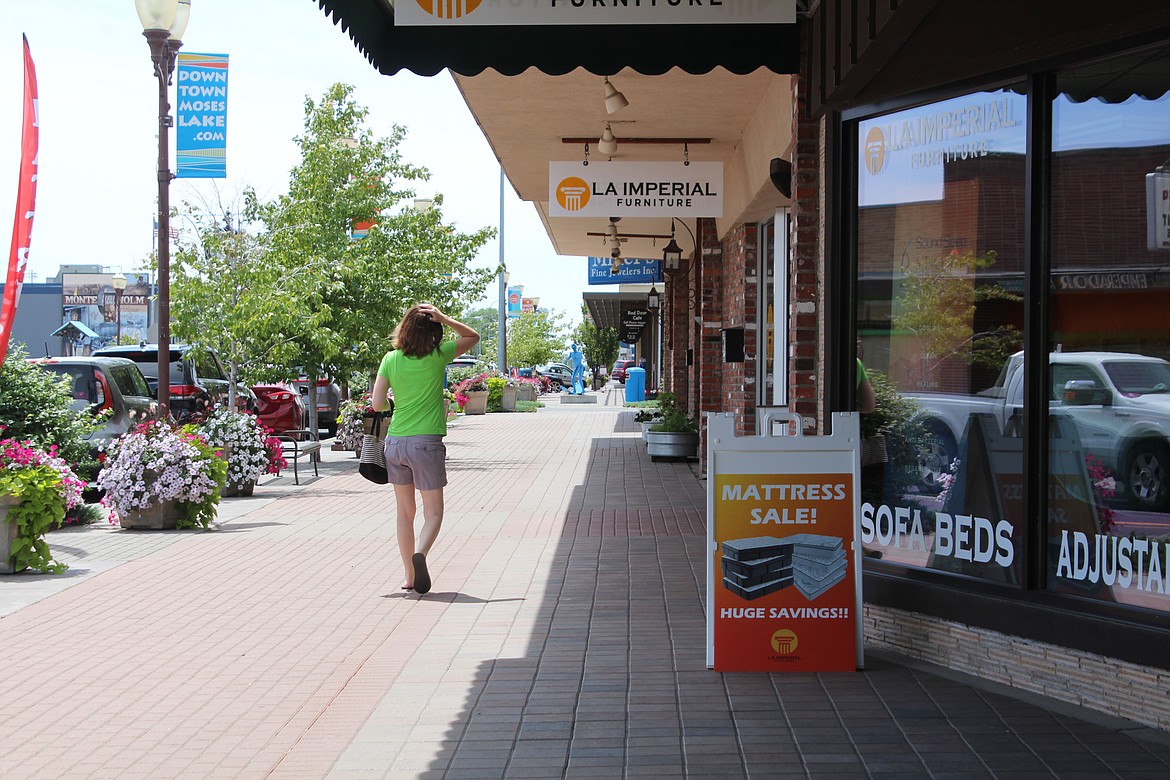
(119, 284)
(163, 25)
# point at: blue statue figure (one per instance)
(577, 361)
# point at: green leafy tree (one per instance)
(318, 300)
(486, 323)
(535, 338)
(600, 345)
(937, 303)
(347, 176)
(230, 293)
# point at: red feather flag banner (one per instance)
(26, 195)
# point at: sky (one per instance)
(98, 95)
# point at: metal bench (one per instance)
(298, 444)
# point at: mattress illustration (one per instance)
(756, 566)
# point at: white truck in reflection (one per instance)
(1119, 401)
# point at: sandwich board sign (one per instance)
(783, 570)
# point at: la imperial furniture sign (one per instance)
(601, 12)
(635, 189)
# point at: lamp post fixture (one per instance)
(119, 284)
(163, 25)
(653, 299)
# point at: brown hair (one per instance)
(417, 335)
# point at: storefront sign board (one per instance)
(635, 189)
(783, 573)
(435, 13)
(631, 271)
(1158, 210)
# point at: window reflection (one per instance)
(940, 321)
(1109, 444)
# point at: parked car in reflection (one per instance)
(198, 382)
(280, 407)
(101, 384)
(328, 402)
(1119, 402)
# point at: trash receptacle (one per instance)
(636, 384)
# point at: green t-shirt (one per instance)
(862, 375)
(417, 383)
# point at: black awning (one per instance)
(556, 50)
(606, 308)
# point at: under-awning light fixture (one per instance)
(607, 144)
(614, 100)
(653, 298)
(671, 253)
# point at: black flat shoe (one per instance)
(422, 579)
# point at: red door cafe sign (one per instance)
(783, 575)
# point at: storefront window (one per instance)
(940, 249)
(1109, 442)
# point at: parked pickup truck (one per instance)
(1119, 401)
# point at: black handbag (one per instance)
(372, 461)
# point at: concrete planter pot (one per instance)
(508, 402)
(246, 489)
(526, 393)
(159, 516)
(7, 534)
(672, 445)
(476, 402)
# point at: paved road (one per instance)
(564, 637)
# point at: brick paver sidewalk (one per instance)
(564, 637)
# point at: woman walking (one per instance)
(415, 454)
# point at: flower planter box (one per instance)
(526, 393)
(476, 402)
(672, 445)
(508, 402)
(246, 489)
(646, 427)
(7, 534)
(160, 515)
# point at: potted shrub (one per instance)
(158, 476)
(676, 435)
(36, 489)
(647, 416)
(244, 443)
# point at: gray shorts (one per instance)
(417, 460)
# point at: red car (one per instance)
(619, 369)
(281, 407)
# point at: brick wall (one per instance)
(738, 380)
(806, 290)
(1121, 689)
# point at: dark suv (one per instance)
(328, 402)
(105, 383)
(198, 380)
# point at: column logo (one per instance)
(784, 641)
(875, 151)
(573, 193)
(448, 9)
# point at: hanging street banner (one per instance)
(201, 116)
(632, 271)
(26, 196)
(635, 189)
(783, 573)
(515, 296)
(444, 13)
